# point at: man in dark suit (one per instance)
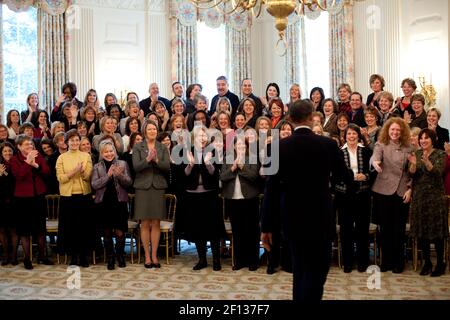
(223, 91)
(247, 92)
(146, 104)
(357, 115)
(300, 191)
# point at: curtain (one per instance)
(341, 48)
(1, 65)
(238, 56)
(292, 55)
(52, 55)
(184, 53)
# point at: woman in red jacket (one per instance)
(30, 170)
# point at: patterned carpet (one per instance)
(179, 282)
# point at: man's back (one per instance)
(306, 164)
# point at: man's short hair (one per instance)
(301, 110)
(222, 78)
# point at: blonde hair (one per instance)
(405, 132)
(102, 147)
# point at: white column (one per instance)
(366, 46)
(157, 46)
(81, 50)
(267, 66)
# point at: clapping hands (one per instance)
(31, 158)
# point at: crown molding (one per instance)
(157, 6)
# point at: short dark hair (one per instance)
(430, 134)
(70, 134)
(357, 129)
(300, 111)
(176, 82)
(72, 87)
(222, 78)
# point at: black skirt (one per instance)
(76, 227)
(7, 218)
(30, 215)
(203, 217)
(112, 215)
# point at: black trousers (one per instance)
(244, 218)
(354, 220)
(392, 215)
(311, 263)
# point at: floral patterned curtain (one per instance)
(52, 53)
(53, 7)
(238, 57)
(341, 48)
(1, 65)
(184, 42)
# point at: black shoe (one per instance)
(347, 269)
(385, 268)
(83, 262)
(121, 261)
(362, 267)
(236, 267)
(111, 263)
(200, 265)
(14, 262)
(427, 268)
(27, 264)
(253, 267)
(5, 262)
(217, 266)
(46, 261)
(397, 269)
(270, 270)
(73, 261)
(148, 265)
(156, 265)
(439, 270)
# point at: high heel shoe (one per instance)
(156, 265)
(427, 268)
(439, 270)
(27, 264)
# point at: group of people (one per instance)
(393, 151)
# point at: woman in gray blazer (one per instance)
(241, 193)
(151, 164)
(110, 179)
(392, 190)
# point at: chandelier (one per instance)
(279, 9)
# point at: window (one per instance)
(315, 62)
(20, 60)
(211, 57)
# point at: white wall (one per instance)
(131, 47)
(411, 39)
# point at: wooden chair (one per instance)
(51, 223)
(167, 225)
(133, 229)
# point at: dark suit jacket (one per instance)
(150, 174)
(442, 137)
(358, 118)
(234, 99)
(209, 181)
(301, 188)
(331, 126)
(145, 104)
(248, 177)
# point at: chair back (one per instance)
(171, 205)
(52, 201)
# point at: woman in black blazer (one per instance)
(433, 117)
(203, 216)
(353, 201)
(241, 193)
